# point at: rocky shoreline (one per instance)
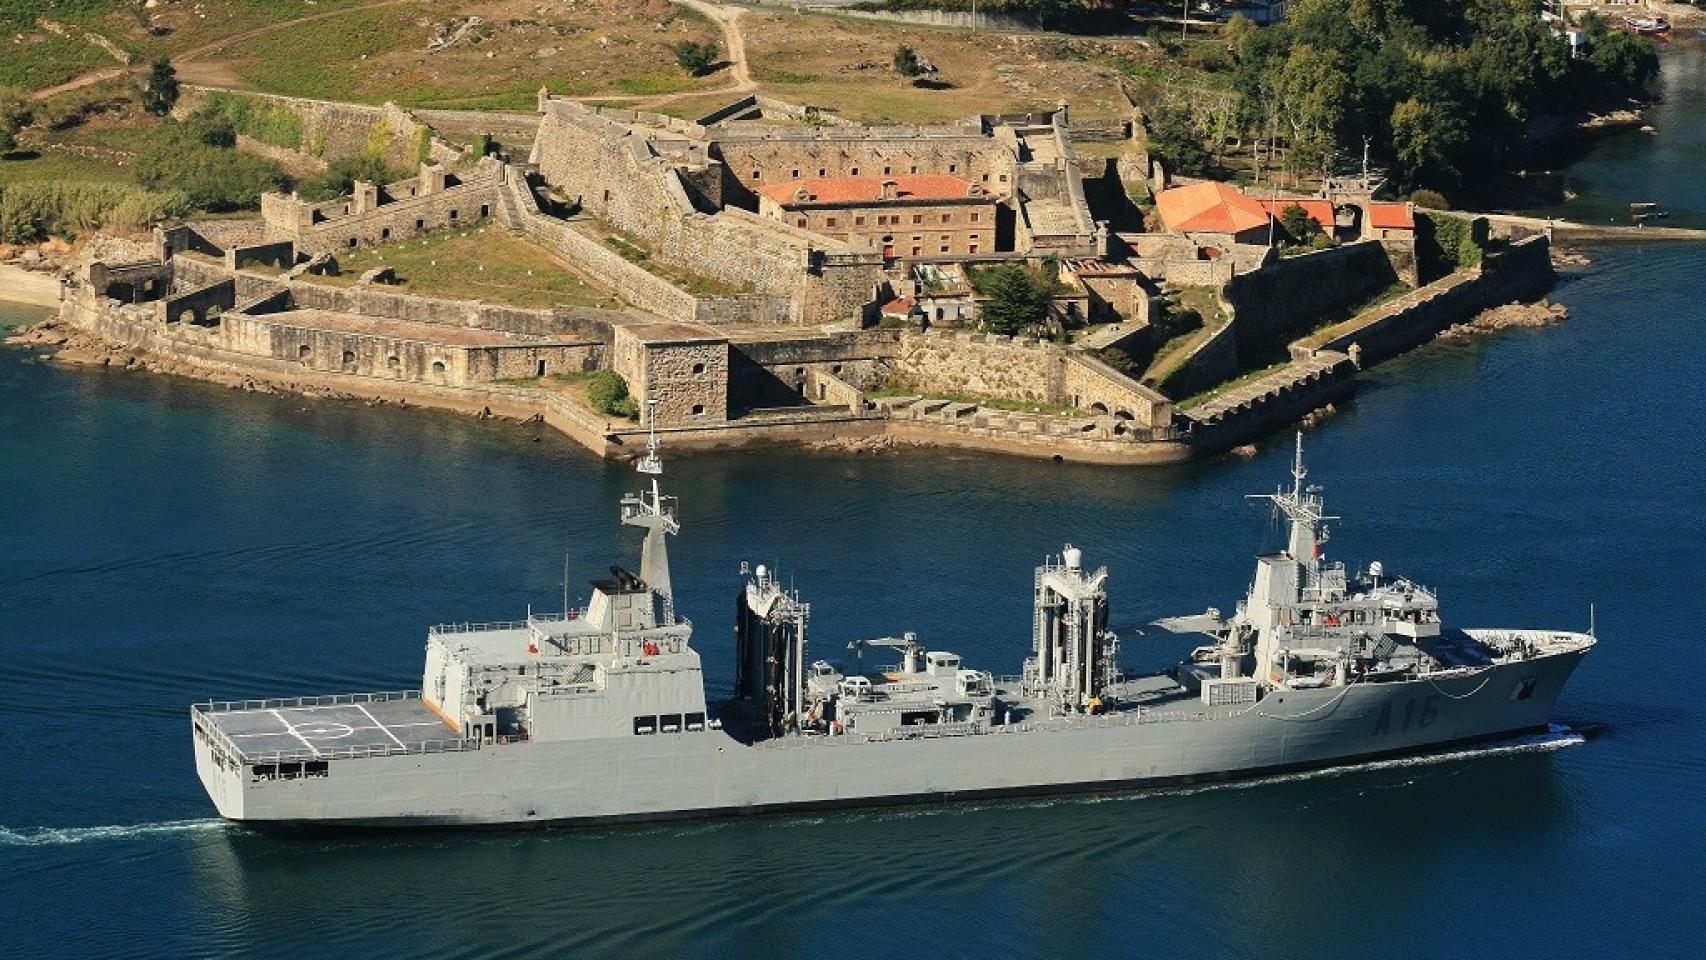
(1541, 313)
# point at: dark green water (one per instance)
(1663, 166)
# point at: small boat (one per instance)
(1642, 211)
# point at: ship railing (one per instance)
(468, 627)
(361, 752)
(286, 703)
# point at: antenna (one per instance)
(565, 585)
(651, 463)
(1591, 625)
(1297, 470)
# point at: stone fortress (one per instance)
(779, 271)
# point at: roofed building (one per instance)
(906, 215)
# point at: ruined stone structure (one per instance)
(435, 199)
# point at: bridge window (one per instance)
(644, 726)
(694, 721)
(670, 723)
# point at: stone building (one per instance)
(910, 215)
(434, 199)
(678, 372)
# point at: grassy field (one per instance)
(486, 263)
(377, 54)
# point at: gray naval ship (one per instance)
(601, 714)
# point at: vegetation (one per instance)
(1445, 244)
(608, 393)
(160, 88)
(1442, 90)
(491, 264)
(1301, 228)
(906, 61)
(195, 159)
(340, 176)
(14, 113)
(267, 122)
(31, 210)
(696, 58)
(1017, 297)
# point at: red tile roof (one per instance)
(919, 186)
(898, 308)
(1209, 207)
(1391, 216)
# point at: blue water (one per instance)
(163, 541)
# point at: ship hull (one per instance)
(709, 773)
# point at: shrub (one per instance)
(1430, 199)
(33, 208)
(271, 123)
(1445, 243)
(160, 89)
(608, 393)
(906, 61)
(1299, 225)
(696, 58)
(210, 178)
(340, 176)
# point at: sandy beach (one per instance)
(24, 286)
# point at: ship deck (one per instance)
(310, 730)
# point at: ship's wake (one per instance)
(59, 836)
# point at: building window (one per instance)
(485, 210)
(349, 356)
(438, 367)
(947, 218)
(887, 170)
(953, 168)
(916, 250)
(1004, 178)
(972, 248)
(944, 248)
(918, 218)
(854, 172)
(453, 216)
(303, 351)
(698, 368)
(974, 237)
(352, 242)
(858, 221)
(794, 174)
(757, 174)
(384, 233)
(698, 409)
(915, 168)
(986, 178)
(829, 222)
(419, 224)
(976, 217)
(802, 221)
(822, 172)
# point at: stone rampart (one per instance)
(200, 304)
(1521, 271)
(1091, 385)
(280, 253)
(980, 365)
(1274, 303)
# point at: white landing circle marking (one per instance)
(323, 730)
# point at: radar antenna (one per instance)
(656, 515)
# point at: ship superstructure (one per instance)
(600, 712)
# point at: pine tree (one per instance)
(160, 90)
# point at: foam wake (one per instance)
(1556, 737)
(56, 836)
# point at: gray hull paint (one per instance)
(708, 773)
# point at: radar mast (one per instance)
(656, 515)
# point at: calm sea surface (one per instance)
(163, 541)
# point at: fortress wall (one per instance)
(331, 130)
(980, 364)
(1089, 382)
(456, 207)
(634, 284)
(1274, 303)
(1522, 271)
(1213, 361)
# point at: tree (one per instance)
(1173, 139)
(160, 89)
(210, 178)
(1298, 224)
(906, 61)
(1016, 299)
(696, 58)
